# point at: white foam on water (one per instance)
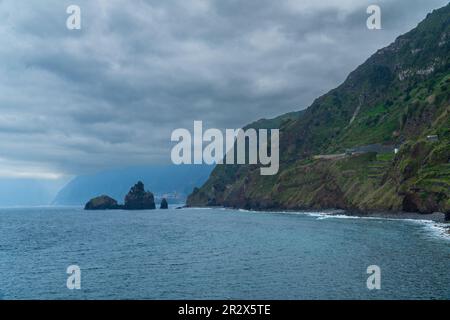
(441, 230)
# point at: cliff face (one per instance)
(397, 99)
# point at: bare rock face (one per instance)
(164, 204)
(423, 203)
(102, 203)
(139, 199)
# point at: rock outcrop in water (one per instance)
(139, 199)
(164, 204)
(136, 199)
(102, 203)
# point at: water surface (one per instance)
(217, 254)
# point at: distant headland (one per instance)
(136, 199)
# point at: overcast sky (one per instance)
(110, 94)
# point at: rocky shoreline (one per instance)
(434, 217)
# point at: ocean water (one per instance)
(217, 254)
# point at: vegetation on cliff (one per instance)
(398, 98)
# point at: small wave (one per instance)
(337, 216)
(323, 215)
(439, 229)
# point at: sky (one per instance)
(109, 95)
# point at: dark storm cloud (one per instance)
(111, 93)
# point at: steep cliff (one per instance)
(399, 98)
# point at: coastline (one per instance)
(434, 217)
(435, 221)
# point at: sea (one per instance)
(218, 254)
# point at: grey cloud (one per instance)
(110, 94)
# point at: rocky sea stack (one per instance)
(164, 204)
(102, 203)
(139, 199)
(136, 199)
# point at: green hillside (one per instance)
(396, 99)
